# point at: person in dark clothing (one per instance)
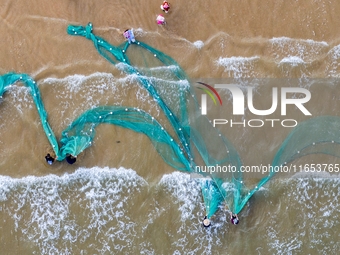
(49, 159)
(206, 222)
(234, 219)
(71, 159)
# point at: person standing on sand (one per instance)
(49, 159)
(165, 7)
(71, 159)
(234, 219)
(128, 34)
(160, 20)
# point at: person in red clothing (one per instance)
(165, 6)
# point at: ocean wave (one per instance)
(198, 44)
(94, 210)
(239, 67)
(41, 208)
(293, 61)
(310, 207)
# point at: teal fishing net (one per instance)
(192, 140)
(80, 133)
(199, 140)
(201, 143)
(10, 78)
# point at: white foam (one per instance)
(333, 67)
(21, 97)
(76, 80)
(293, 61)
(41, 208)
(43, 211)
(109, 86)
(284, 39)
(198, 44)
(308, 50)
(315, 206)
(187, 194)
(239, 67)
(335, 52)
(90, 91)
(139, 32)
(168, 89)
(178, 184)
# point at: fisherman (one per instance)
(160, 20)
(233, 218)
(206, 222)
(49, 159)
(71, 159)
(128, 34)
(165, 7)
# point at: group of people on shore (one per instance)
(69, 159)
(233, 219)
(160, 20)
(165, 7)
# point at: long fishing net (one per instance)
(201, 143)
(193, 142)
(6, 82)
(80, 133)
(208, 145)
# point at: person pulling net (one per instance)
(80, 133)
(192, 129)
(129, 35)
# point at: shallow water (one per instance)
(100, 205)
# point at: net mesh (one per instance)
(194, 133)
(195, 142)
(318, 135)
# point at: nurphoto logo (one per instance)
(204, 96)
(239, 97)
